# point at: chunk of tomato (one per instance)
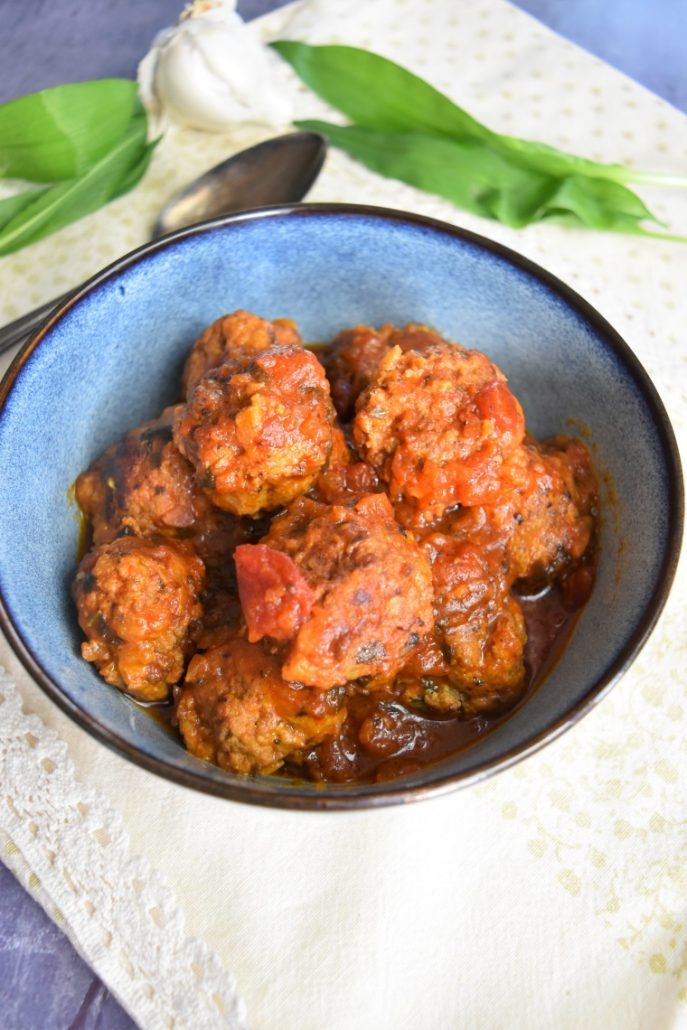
(275, 597)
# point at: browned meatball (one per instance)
(437, 427)
(539, 531)
(416, 336)
(237, 711)
(474, 662)
(143, 485)
(138, 603)
(481, 627)
(236, 338)
(215, 536)
(222, 616)
(345, 588)
(345, 479)
(548, 510)
(142, 482)
(214, 539)
(259, 436)
(351, 359)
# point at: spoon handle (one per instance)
(21, 328)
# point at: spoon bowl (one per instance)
(277, 171)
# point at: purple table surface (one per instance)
(44, 984)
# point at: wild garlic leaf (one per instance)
(11, 206)
(544, 158)
(135, 173)
(478, 179)
(467, 173)
(599, 203)
(67, 201)
(56, 134)
(377, 93)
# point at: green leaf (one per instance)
(376, 93)
(548, 159)
(11, 206)
(56, 134)
(468, 174)
(134, 175)
(600, 204)
(65, 202)
(474, 177)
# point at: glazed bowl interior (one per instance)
(112, 358)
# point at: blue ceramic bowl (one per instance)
(111, 357)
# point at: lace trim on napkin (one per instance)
(68, 847)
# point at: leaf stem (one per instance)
(668, 236)
(655, 178)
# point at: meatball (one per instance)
(481, 627)
(143, 485)
(222, 616)
(417, 337)
(437, 428)
(474, 663)
(345, 479)
(259, 436)
(236, 338)
(214, 540)
(351, 359)
(344, 588)
(236, 710)
(548, 513)
(138, 604)
(142, 482)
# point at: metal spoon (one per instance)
(278, 171)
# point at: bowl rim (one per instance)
(259, 790)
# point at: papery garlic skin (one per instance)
(211, 72)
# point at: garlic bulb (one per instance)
(211, 72)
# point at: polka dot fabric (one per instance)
(556, 893)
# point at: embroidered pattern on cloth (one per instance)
(68, 846)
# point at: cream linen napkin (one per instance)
(553, 895)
